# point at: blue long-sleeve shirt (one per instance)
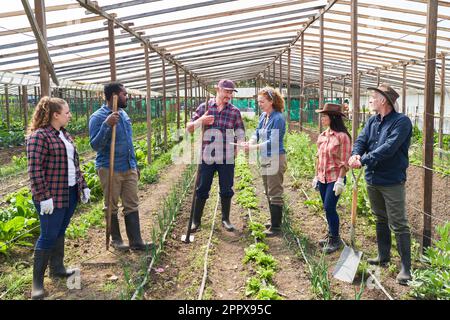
(272, 134)
(383, 146)
(100, 139)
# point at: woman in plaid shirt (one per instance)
(333, 152)
(57, 185)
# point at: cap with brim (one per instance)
(227, 85)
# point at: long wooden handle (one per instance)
(354, 205)
(111, 176)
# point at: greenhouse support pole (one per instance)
(321, 93)
(273, 75)
(25, 107)
(404, 89)
(343, 92)
(186, 108)
(177, 72)
(8, 123)
(428, 123)
(302, 80)
(354, 54)
(164, 103)
(281, 73)
(39, 12)
(378, 77)
(112, 50)
(289, 90)
(442, 107)
(331, 90)
(148, 105)
(190, 95)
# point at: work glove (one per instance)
(86, 195)
(46, 206)
(315, 183)
(339, 186)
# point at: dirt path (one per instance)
(104, 273)
(183, 263)
(291, 278)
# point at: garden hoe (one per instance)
(188, 238)
(346, 267)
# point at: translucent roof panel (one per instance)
(213, 39)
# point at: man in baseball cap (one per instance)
(222, 122)
(382, 146)
(227, 85)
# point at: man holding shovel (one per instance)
(125, 176)
(223, 125)
(382, 146)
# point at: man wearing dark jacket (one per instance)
(382, 146)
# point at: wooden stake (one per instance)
(428, 123)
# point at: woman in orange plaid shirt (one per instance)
(333, 152)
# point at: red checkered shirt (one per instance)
(333, 152)
(48, 166)
(227, 119)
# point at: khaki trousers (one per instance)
(272, 172)
(125, 187)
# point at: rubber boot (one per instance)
(116, 237)
(41, 258)
(276, 214)
(197, 215)
(404, 249)
(333, 244)
(133, 229)
(57, 268)
(226, 206)
(384, 245)
(323, 242)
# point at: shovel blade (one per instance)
(346, 267)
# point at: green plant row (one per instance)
(165, 224)
(260, 285)
(433, 281)
(318, 267)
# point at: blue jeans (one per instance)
(330, 200)
(54, 225)
(226, 179)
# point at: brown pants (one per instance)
(273, 174)
(125, 187)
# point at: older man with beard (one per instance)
(223, 124)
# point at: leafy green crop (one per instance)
(434, 281)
